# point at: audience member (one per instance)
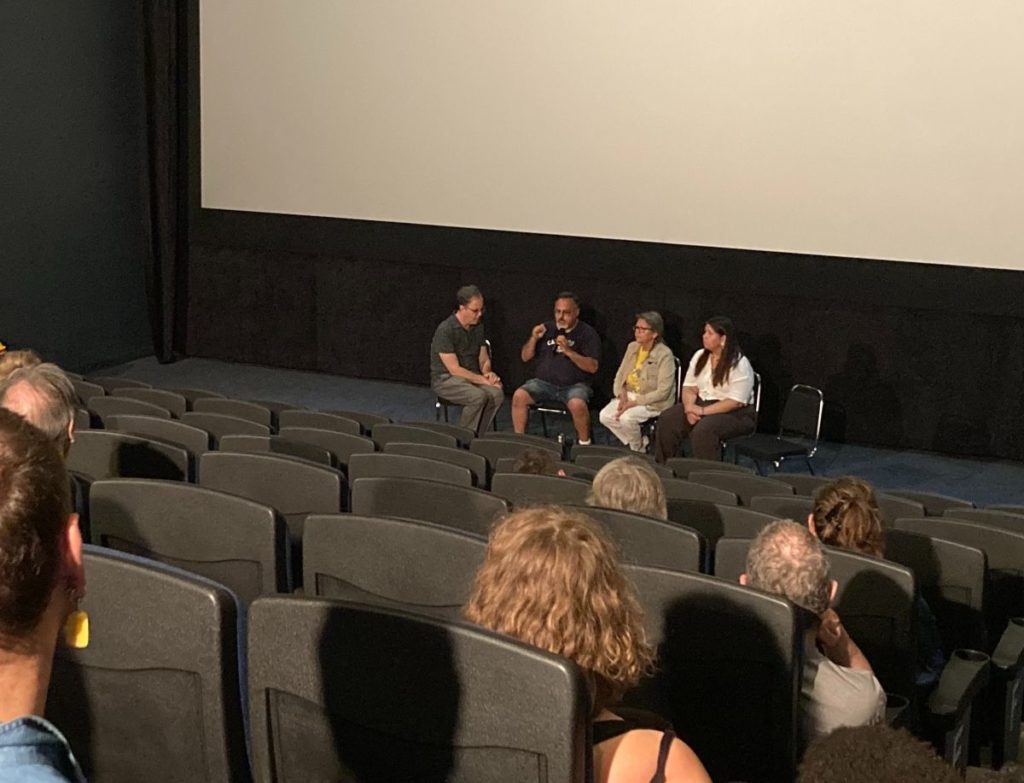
(42, 394)
(644, 384)
(12, 360)
(538, 462)
(550, 578)
(839, 687)
(460, 364)
(41, 581)
(629, 484)
(566, 363)
(716, 398)
(873, 754)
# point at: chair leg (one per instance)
(544, 423)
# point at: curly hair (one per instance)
(879, 754)
(13, 360)
(551, 578)
(787, 560)
(846, 515)
(629, 484)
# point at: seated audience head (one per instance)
(538, 462)
(873, 754)
(629, 484)
(12, 360)
(787, 560)
(41, 576)
(44, 396)
(846, 515)
(551, 578)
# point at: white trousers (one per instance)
(627, 426)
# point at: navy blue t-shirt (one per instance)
(554, 366)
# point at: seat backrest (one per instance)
(240, 409)
(613, 452)
(463, 508)
(684, 466)
(236, 542)
(408, 433)
(319, 420)
(192, 439)
(1007, 508)
(729, 669)
(802, 413)
(367, 420)
(85, 391)
(524, 489)
(651, 542)
(894, 507)
(745, 487)
(985, 516)
(379, 465)
(109, 383)
(935, 505)
(219, 425)
(804, 483)
(597, 461)
(464, 435)
(83, 421)
(168, 400)
(340, 691)
(783, 506)
(155, 695)
(684, 489)
(278, 446)
(493, 449)
(417, 566)
(536, 441)
(191, 395)
(731, 558)
(112, 406)
(476, 464)
(100, 454)
(951, 578)
(342, 445)
(508, 465)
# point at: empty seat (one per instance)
(170, 401)
(219, 425)
(319, 420)
(803, 483)
(894, 507)
(985, 516)
(651, 542)
(740, 522)
(476, 464)
(228, 539)
(783, 506)
(380, 465)
(798, 435)
(155, 695)
(191, 395)
(278, 446)
(345, 692)
(535, 440)
(99, 454)
(684, 466)
(240, 409)
(341, 444)
(367, 420)
(683, 489)
(606, 451)
(745, 486)
(192, 439)
(508, 465)
(276, 408)
(493, 449)
(463, 508)
(86, 391)
(935, 505)
(417, 566)
(1006, 508)
(597, 461)
(407, 433)
(731, 558)
(464, 435)
(524, 489)
(109, 383)
(107, 405)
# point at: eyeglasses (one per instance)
(639, 328)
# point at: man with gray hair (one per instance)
(839, 687)
(43, 396)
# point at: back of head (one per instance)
(629, 484)
(13, 360)
(846, 515)
(536, 461)
(551, 578)
(34, 509)
(873, 754)
(42, 394)
(787, 560)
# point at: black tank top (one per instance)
(604, 730)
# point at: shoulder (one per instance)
(634, 757)
(660, 351)
(743, 364)
(445, 326)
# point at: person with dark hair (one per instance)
(551, 578)
(567, 352)
(716, 401)
(41, 582)
(873, 754)
(460, 364)
(537, 462)
(643, 385)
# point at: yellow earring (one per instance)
(76, 627)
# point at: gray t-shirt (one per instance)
(452, 337)
(832, 695)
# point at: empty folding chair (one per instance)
(525, 489)
(682, 489)
(651, 542)
(508, 465)
(463, 508)
(279, 447)
(464, 435)
(416, 566)
(745, 486)
(191, 395)
(318, 420)
(729, 669)
(192, 439)
(99, 454)
(476, 464)
(219, 425)
(935, 505)
(342, 445)
(86, 391)
(340, 691)
(894, 507)
(110, 383)
(803, 483)
(408, 433)
(101, 407)
(1003, 519)
(381, 465)
(367, 420)
(236, 542)
(170, 401)
(240, 409)
(783, 506)
(684, 466)
(155, 695)
(798, 432)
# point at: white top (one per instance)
(832, 695)
(739, 386)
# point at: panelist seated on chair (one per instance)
(567, 351)
(644, 384)
(715, 400)
(460, 364)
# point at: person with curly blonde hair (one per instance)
(14, 360)
(551, 578)
(629, 484)
(846, 515)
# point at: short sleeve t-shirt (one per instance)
(555, 367)
(739, 386)
(451, 337)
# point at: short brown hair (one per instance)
(846, 515)
(34, 507)
(54, 396)
(787, 560)
(629, 484)
(536, 461)
(551, 578)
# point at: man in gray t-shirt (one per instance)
(460, 364)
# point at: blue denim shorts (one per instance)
(542, 391)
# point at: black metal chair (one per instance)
(801, 418)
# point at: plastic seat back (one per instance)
(408, 433)
(99, 454)
(342, 445)
(935, 505)
(171, 401)
(525, 489)
(319, 420)
(219, 425)
(745, 487)
(985, 516)
(240, 409)
(109, 383)
(476, 464)
(684, 489)
(379, 465)
(783, 506)
(105, 406)
(192, 439)
(651, 542)
(278, 446)
(684, 466)
(894, 507)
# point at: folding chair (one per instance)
(801, 418)
(379, 465)
(744, 486)
(524, 489)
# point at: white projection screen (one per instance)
(866, 128)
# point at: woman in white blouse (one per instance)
(716, 398)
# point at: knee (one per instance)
(495, 394)
(521, 398)
(577, 407)
(605, 415)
